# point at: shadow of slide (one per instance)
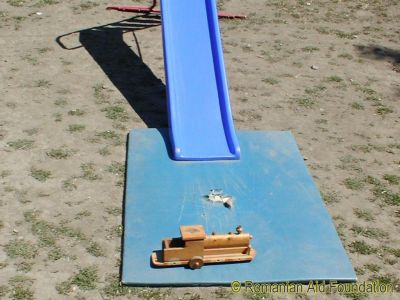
(126, 70)
(380, 53)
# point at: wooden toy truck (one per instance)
(194, 248)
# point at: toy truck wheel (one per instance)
(196, 262)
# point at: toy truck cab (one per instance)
(194, 248)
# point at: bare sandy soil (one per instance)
(329, 71)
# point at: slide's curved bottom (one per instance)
(201, 125)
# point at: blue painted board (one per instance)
(276, 201)
(199, 111)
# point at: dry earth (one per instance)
(329, 71)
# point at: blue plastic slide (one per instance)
(201, 125)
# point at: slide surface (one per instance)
(201, 125)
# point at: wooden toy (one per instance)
(194, 248)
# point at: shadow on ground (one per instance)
(126, 70)
(380, 53)
(144, 91)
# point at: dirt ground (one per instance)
(329, 71)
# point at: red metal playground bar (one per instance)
(152, 9)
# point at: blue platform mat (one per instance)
(275, 199)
